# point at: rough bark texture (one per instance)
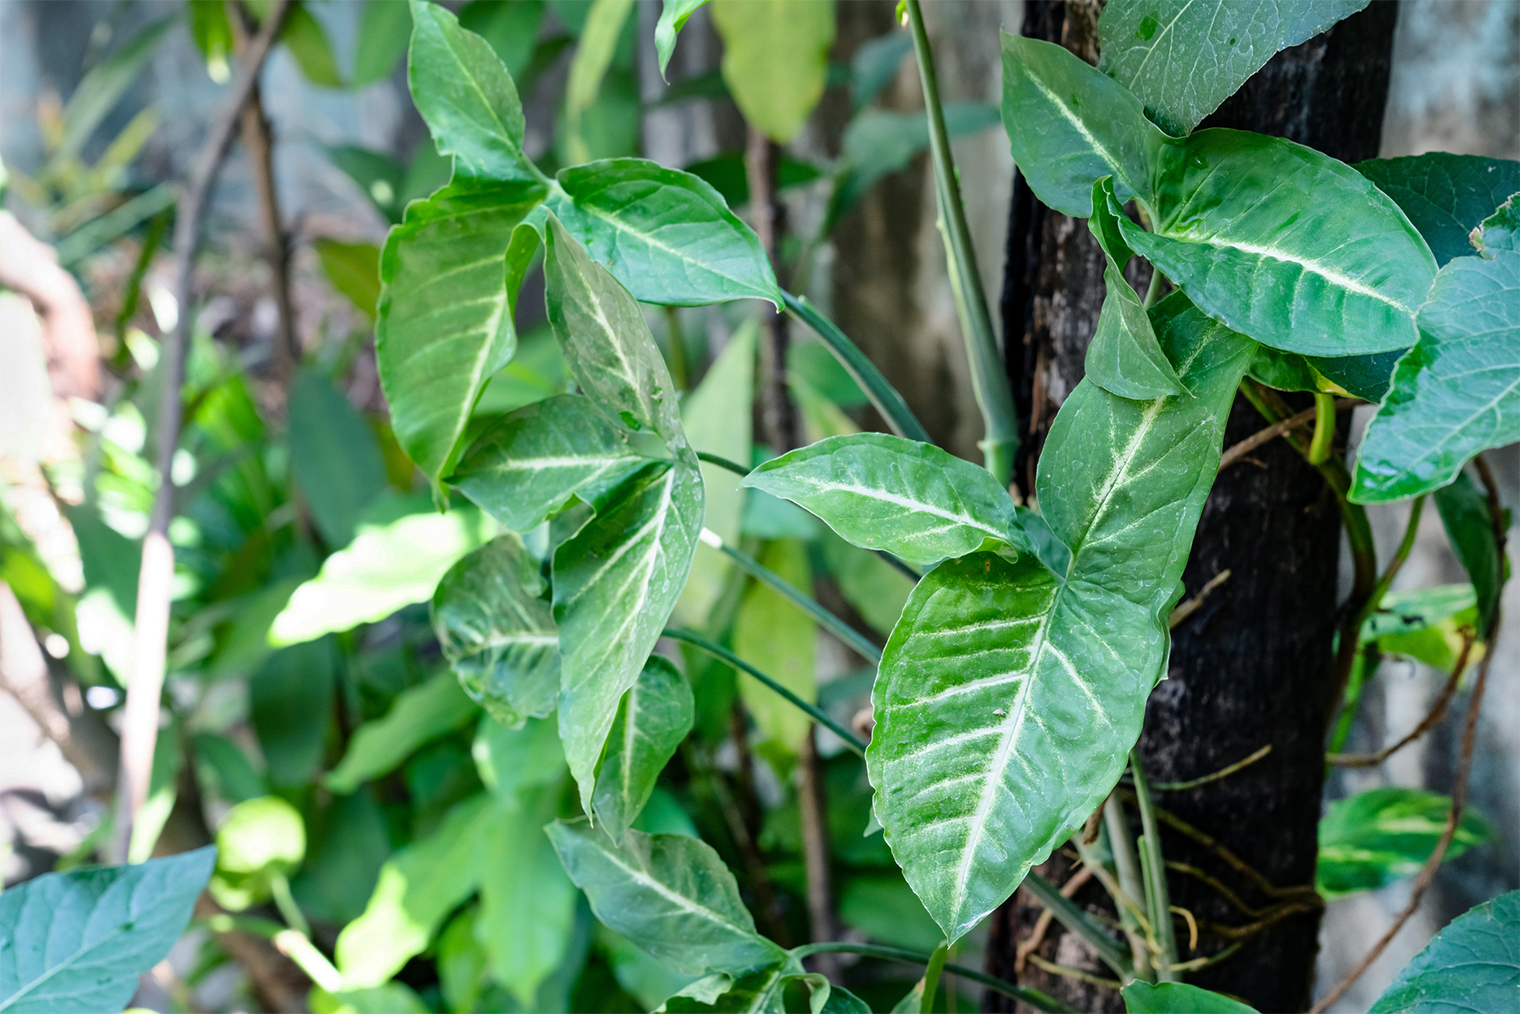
(1251, 667)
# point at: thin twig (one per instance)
(1237, 451)
(1437, 712)
(1225, 892)
(1042, 924)
(1213, 959)
(1074, 973)
(1191, 606)
(1273, 915)
(150, 643)
(1223, 772)
(1192, 928)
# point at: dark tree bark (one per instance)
(1252, 667)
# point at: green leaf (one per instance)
(419, 886)
(593, 56)
(780, 640)
(461, 962)
(1183, 59)
(102, 88)
(655, 715)
(1069, 125)
(1445, 196)
(528, 465)
(260, 839)
(1471, 965)
(1458, 391)
(1284, 244)
(334, 456)
(669, 894)
(1142, 997)
(1376, 837)
(1007, 699)
(1124, 357)
(511, 761)
(1365, 377)
(419, 714)
(874, 65)
(882, 141)
(511, 28)
(915, 501)
(385, 568)
(304, 36)
(673, 17)
(349, 842)
(1470, 529)
(527, 904)
(79, 940)
(388, 998)
(1499, 231)
(1429, 624)
(886, 910)
(876, 589)
(497, 631)
(763, 991)
(223, 769)
(450, 274)
(467, 97)
(665, 234)
(290, 701)
(385, 28)
(213, 36)
(354, 268)
(775, 60)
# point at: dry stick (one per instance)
(1437, 712)
(1192, 605)
(150, 643)
(1042, 924)
(1224, 772)
(1255, 440)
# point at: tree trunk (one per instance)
(1251, 667)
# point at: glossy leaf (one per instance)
(334, 455)
(655, 715)
(1366, 377)
(1376, 837)
(450, 274)
(529, 465)
(419, 714)
(673, 17)
(775, 60)
(1470, 530)
(1183, 59)
(915, 501)
(496, 628)
(1445, 196)
(780, 640)
(671, 895)
(1286, 245)
(1069, 125)
(1499, 231)
(1007, 699)
(1141, 997)
(465, 94)
(665, 234)
(1124, 357)
(1458, 391)
(419, 886)
(1471, 965)
(385, 29)
(79, 940)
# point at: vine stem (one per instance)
(1153, 869)
(145, 687)
(932, 972)
(293, 944)
(1035, 998)
(1437, 710)
(1074, 919)
(988, 375)
(1127, 864)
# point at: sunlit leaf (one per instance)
(1378, 836)
(654, 716)
(673, 17)
(1471, 965)
(1445, 196)
(259, 839)
(388, 998)
(1429, 624)
(775, 59)
(385, 28)
(419, 714)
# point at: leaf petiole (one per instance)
(1076, 920)
(1033, 997)
(1153, 869)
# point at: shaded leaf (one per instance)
(882, 141)
(102, 88)
(305, 38)
(419, 714)
(1457, 393)
(385, 28)
(780, 640)
(671, 895)
(1376, 837)
(1470, 530)
(877, 491)
(354, 268)
(673, 17)
(1006, 698)
(775, 60)
(1499, 231)
(1366, 377)
(497, 631)
(594, 51)
(511, 28)
(1471, 965)
(511, 761)
(1183, 59)
(1445, 196)
(1141, 997)
(875, 64)
(290, 700)
(876, 589)
(655, 715)
(334, 455)
(349, 842)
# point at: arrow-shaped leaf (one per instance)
(1471, 965)
(1445, 196)
(655, 715)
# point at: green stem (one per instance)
(286, 903)
(680, 373)
(718, 651)
(1127, 864)
(1364, 665)
(1074, 919)
(931, 977)
(1153, 290)
(1324, 428)
(713, 459)
(839, 628)
(882, 394)
(989, 379)
(1036, 999)
(294, 945)
(1153, 868)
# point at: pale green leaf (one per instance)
(665, 234)
(877, 491)
(593, 55)
(418, 715)
(673, 17)
(780, 640)
(1471, 965)
(419, 886)
(1069, 125)
(353, 268)
(876, 589)
(334, 456)
(671, 895)
(1376, 837)
(1430, 624)
(385, 28)
(1007, 698)
(512, 760)
(1183, 58)
(102, 88)
(384, 568)
(655, 715)
(1124, 357)
(1499, 231)
(1141, 997)
(527, 466)
(467, 97)
(78, 941)
(496, 628)
(527, 904)
(1464, 511)
(1457, 393)
(260, 839)
(306, 40)
(450, 274)
(388, 998)
(775, 59)
(1445, 196)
